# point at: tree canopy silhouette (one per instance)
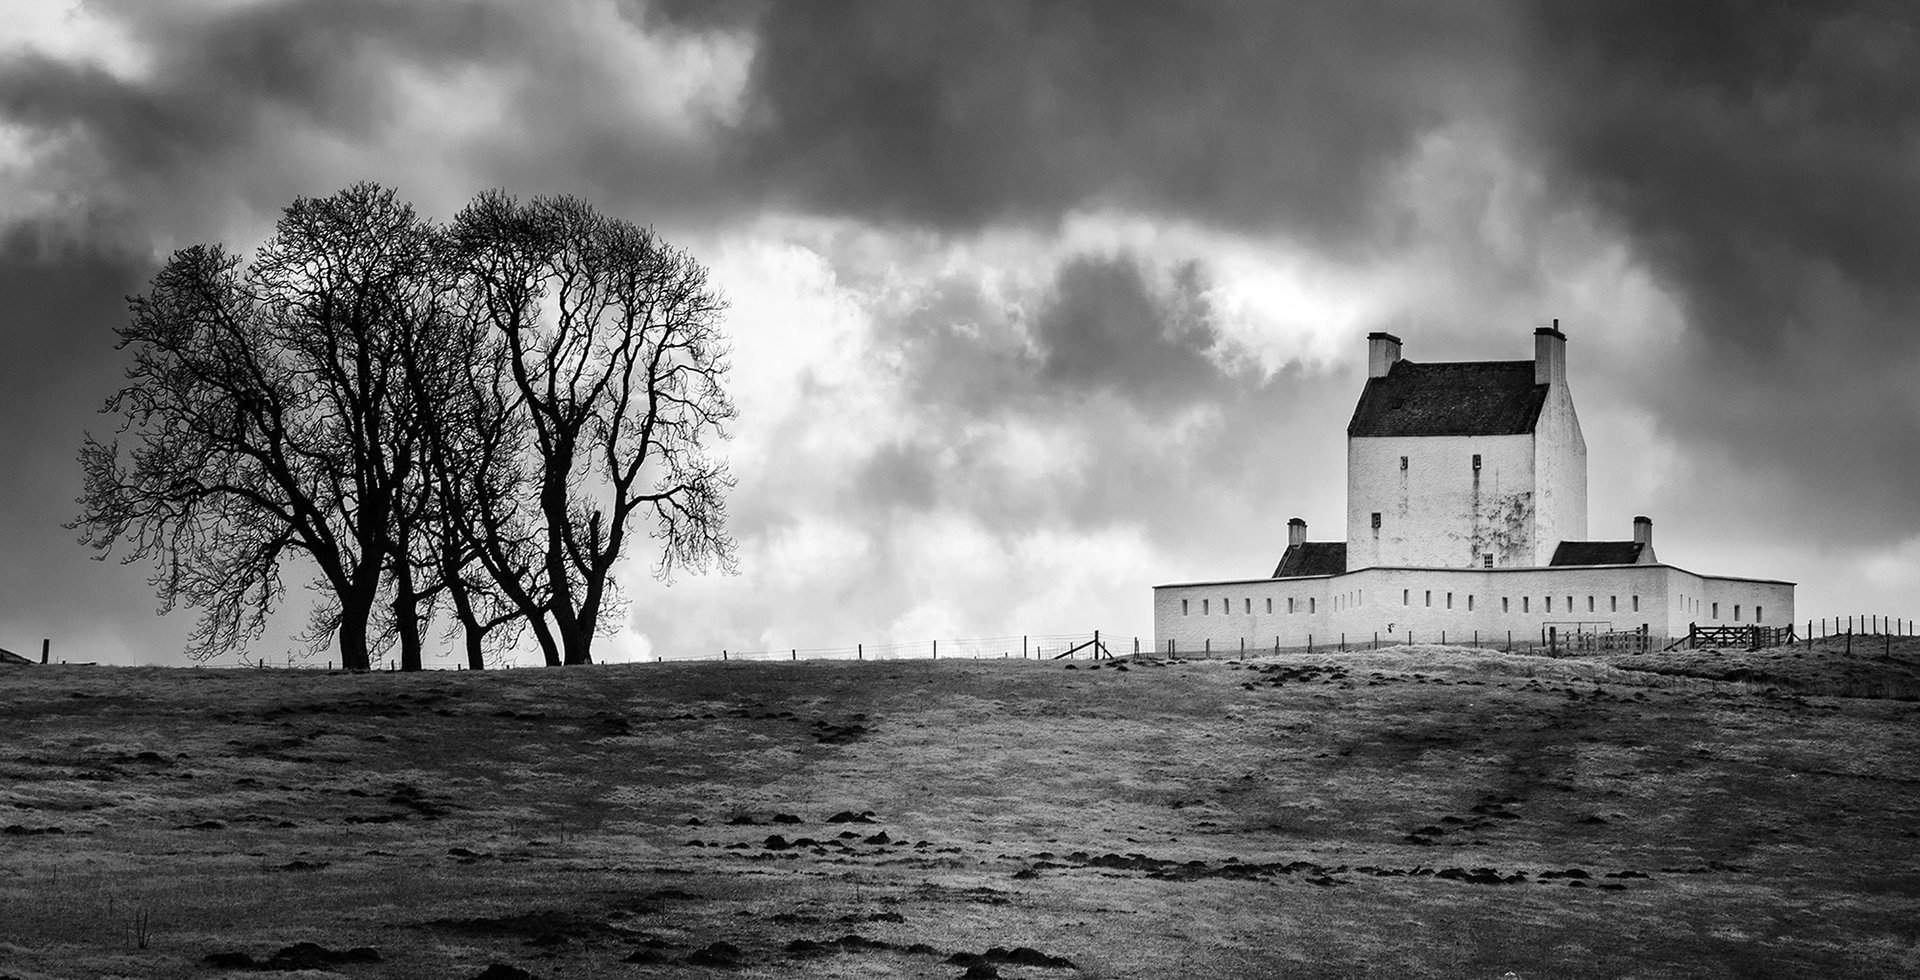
(479, 412)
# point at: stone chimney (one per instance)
(1383, 351)
(1296, 532)
(1643, 536)
(1549, 355)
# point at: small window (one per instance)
(1269, 606)
(1376, 520)
(1406, 597)
(1310, 603)
(1503, 604)
(1205, 605)
(1449, 600)
(1756, 615)
(1476, 462)
(1429, 598)
(1549, 603)
(1716, 610)
(1469, 602)
(1736, 612)
(1289, 603)
(1589, 603)
(1613, 603)
(1249, 605)
(1486, 560)
(1403, 463)
(1636, 603)
(1525, 602)
(1569, 603)
(1183, 607)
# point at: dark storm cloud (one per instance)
(1761, 159)
(1110, 355)
(1764, 160)
(221, 81)
(1741, 141)
(60, 297)
(1105, 329)
(953, 116)
(959, 115)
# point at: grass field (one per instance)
(1419, 812)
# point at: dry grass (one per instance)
(1885, 667)
(1300, 816)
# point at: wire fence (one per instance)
(1093, 645)
(1867, 625)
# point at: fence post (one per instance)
(936, 649)
(1243, 648)
(793, 653)
(1023, 646)
(1207, 647)
(1553, 641)
(723, 654)
(859, 651)
(1309, 642)
(1376, 639)
(1343, 643)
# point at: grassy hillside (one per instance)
(1420, 812)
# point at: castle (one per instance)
(1466, 522)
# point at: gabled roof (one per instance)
(1312, 558)
(1451, 398)
(1596, 553)
(9, 657)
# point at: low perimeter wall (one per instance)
(1480, 606)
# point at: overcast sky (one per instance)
(1036, 306)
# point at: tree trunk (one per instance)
(469, 623)
(544, 633)
(578, 644)
(406, 619)
(353, 640)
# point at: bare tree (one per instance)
(616, 361)
(269, 415)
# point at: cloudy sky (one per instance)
(1037, 305)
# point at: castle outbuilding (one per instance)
(1466, 522)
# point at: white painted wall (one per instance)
(1427, 604)
(1560, 475)
(1437, 511)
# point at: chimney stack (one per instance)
(1549, 355)
(46, 647)
(1383, 351)
(1643, 536)
(1296, 532)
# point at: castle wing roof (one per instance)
(9, 657)
(1452, 398)
(1596, 553)
(1313, 558)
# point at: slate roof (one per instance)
(1596, 553)
(1451, 398)
(1312, 558)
